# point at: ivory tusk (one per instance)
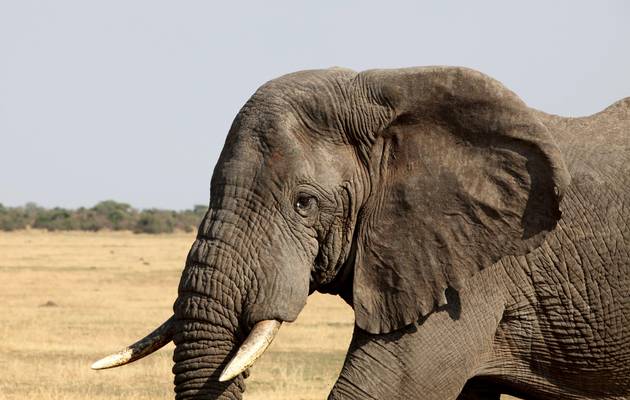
(253, 347)
(143, 347)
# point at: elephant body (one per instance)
(552, 324)
(483, 245)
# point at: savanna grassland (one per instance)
(69, 298)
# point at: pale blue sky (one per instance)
(131, 100)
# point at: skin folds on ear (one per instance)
(462, 175)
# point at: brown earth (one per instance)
(67, 299)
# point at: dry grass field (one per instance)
(66, 299)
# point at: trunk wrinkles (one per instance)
(208, 311)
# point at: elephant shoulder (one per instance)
(597, 146)
(619, 109)
(614, 121)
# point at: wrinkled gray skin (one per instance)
(484, 246)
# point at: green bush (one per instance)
(116, 216)
(155, 221)
(188, 220)
(57, 219)
(12, 219)
(109, 214)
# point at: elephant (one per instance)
(482, 244)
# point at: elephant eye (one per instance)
(305, 204)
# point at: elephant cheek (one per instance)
(281, 298)
(282, 278)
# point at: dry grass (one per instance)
(108, 289)
(66, 299)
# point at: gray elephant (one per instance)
(483, 245)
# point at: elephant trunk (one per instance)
(202, 352)
(218, 335)
(208, 321)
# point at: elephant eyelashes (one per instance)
(305, 204)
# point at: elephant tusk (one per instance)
(143, 347)
(253, 347)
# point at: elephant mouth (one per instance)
(254, 346)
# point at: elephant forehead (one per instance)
(282, 156)
(316, 100)
(303, 156)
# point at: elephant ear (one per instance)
(462, 175)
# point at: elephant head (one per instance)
(386, 187)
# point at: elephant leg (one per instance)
(430, 360)
(479, 390)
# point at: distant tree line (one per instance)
(106, 215)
